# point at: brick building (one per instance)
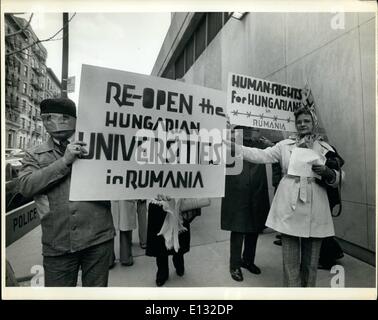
(28, 82)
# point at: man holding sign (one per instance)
(75, 234)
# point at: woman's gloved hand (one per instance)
(163, 197)
(324, 172)
(169, 200)
(267, 143)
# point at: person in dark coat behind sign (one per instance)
(245, 208)
(156, 244)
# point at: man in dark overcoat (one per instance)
(245, 209)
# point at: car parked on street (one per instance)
(13, 164)
(14, 152)
(14, 157)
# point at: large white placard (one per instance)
(147, 136)
(259, 103)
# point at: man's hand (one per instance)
(324, 172)
(74, 150)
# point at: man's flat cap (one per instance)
(59, 105)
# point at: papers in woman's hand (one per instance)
(301, 161)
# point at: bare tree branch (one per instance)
(22, 29)
(40, 41)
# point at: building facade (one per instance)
(333, 52)
(27, 79)
(53, 88)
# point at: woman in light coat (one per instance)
(125, 214)
(300, 209)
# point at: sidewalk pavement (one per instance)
(206, 265)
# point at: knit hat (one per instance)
(59, 105)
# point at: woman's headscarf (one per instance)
(308, 106)
(308, 103)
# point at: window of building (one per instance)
(31, 93)
(200, 35)
(189, 54)
(26, 53)
(9, 140)
(20, 143)
(214, 25)
(210, 24)
(26, 70)
(180, 66)
(25, 88)
(226, 16)
(23, 105)
(23, 123)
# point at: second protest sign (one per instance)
(259, 103)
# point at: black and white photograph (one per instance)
(177, 152)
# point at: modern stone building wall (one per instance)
(337, 63)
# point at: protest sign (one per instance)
(259, 103)
(147, 136)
